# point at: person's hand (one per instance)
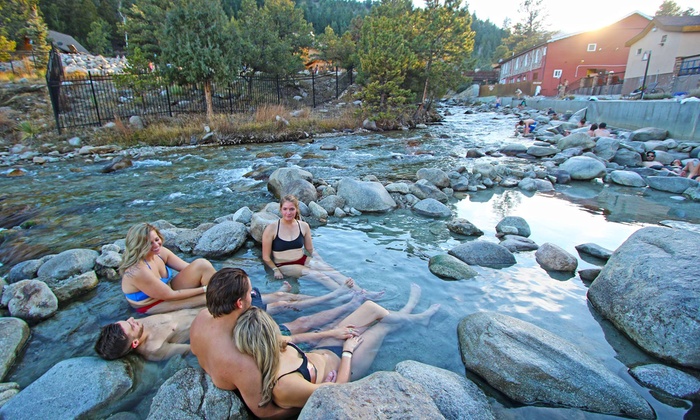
(352, 343)
(343, 333)
(278, 274)
(332, 375)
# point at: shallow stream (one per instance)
(77, 206)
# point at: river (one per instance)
(75, 205)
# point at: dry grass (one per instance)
(268, 113)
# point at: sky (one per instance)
(571, 17)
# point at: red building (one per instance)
(592, 58)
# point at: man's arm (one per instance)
(341, 333)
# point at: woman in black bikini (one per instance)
(290, 376)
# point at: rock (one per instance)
(190, 394)
(281, 177)
(594, 250)
(589, 274)
(317, 211)
(432, 208)
(648, 133)
(672, 381)
(455, 396)
(369, 125)
(72, 287)
(672, 184)
(606, 147)
(520, 224)
(533, 366)
(482, 253)
(463, 227)
(121, 162)
(398, 187)
(486, 170)
(365, 196)
(221, 240)
(542, 151)
(535, 184)
(516, 243)
(187, 239)
(109, 259)
(24, 270)
(693, 193)
(649, 290)
(627, 178)
(303, 190)
(259, 222)
(626, 157)
(31, 300)
(424, 189)
(74, 141)
(68, 263)
(136, 122)
(451, 268)
(7, 391)
(436, 177)
(582, 140)
(332, 202)
(243, 215)
(513, 149)
(13, 334)
(583, 167)
(553, 258)
(382, 395)
(73, 388)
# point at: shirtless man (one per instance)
(528, 125)
(228, 296)
(602, 130)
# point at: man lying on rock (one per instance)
(161, 336)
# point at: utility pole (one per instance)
(646, 70)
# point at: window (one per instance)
(525, 61)
(544, 51)
(591, 47)
(639, 51)
(557, 74)
(690, 65)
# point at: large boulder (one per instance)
(424, 189)
(516, 243)
(581, 140)
(606, 147)
(435, 176)
(553, 258)
(672, 381)
(31, 300)
(627, 178)
(648, 133)
(221, 240)
(649, 290)
(594, 250)
(25, 270)
(301, 189)
(455, 396)
(332, 202)
(382, 395)
(542, 151)
(259, 222)
(70, 288)
(483, 253)
(69, 263)
(672, 184)
(583, 167)
(190, 394)
(626, 157)
(281, 177)
(464, 227)
(516, 222)
(449, 267)
(73, 388)
(13, 334)
(365, 196)
(430, 207)
(534, 366)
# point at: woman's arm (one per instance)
(148, 283)
(344, 370)
(268, 237)
(308, 243)
(341, 333)
(172, 260)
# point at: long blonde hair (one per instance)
(258, 335)
(138, 243)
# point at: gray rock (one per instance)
(332, 202)
(242, 215)
(301, 189)
(672, 381)
(606, 147)
(516, 243)
(436, 177)
(24, 270)
(7, 391)
(382, 395)
(589, 274)
(317, 211)
(259, 222)
(449, 267)
(455, 396)
(222, 240)
(583, 168)
(74, 141)
(73, 388)
(533, 366)
(424, 189)
(628, 158)
(627, 178)
(31, 300)
(484, 254)
(398, 187)
(535, 184)
(553, 258)
(581, 140)
(163, 225)
(594, 250)
(109, 259)
(190, 394)
(542, 151)
(513, 149)
(136, 122)
(187, 239)
(463, 227)
(432, 208)
(486, 170)
(365, 196)
(648, 133)
(72, 287)
(672, 184)
(693, 193)
(649, 290)
(69, 263)
(369, 125)
(118, 163)
(520, 224)
(13, 334)
(283, 176)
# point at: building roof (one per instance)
(669, 24)
(62, 42)
(560, 35)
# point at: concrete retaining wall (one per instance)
(681, 120)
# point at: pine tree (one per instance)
(37, 32)
(99, 37)
(531, 30)
(144, 26)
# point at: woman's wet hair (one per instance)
(224, 289)
(138, 243)
(289, 198)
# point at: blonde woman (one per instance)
(290, 376)
(149, 279)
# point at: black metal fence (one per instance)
(23, 62)
(95, 99)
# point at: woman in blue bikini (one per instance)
(148, 280)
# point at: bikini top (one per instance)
(304, 368)
(279, 245)
(141, 296)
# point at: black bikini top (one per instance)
(303, 369)
(279, 244)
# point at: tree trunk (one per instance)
(208, 100)
(421, 108)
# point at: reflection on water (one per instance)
(189, 186)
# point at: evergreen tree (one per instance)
(341, 51)
(37, 33)
(72, 17)
(487, 39)
(531, 30)
(6, 46)
(671, 8)
(144, 26)
(199, 45)
(99, 38)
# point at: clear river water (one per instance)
(75, 205)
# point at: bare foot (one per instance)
(413, 298)
(349, 283)
(368, 295)
(286, 287)
(424, 317)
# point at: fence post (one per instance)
(94, 99)
(279, 94)
(350, 71)
(230, 97)
(336, 83)
(313, 89)
(167, 97)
